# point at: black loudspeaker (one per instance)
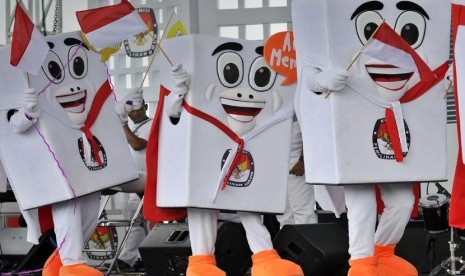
(320, 249)
(166, 249)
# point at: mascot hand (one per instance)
(333, 79)
(181, 79)
(132, 101)
(30, 104)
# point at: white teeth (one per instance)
(386, 70)
(71, 97)
(242, 103)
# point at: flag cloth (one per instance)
(388, 46)
(106, 26)
(28, 47)
(457, 203)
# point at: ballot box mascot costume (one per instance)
(381, 121)
(221, 141)
(62, 142)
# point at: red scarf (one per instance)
(100, 97)
(415, 92)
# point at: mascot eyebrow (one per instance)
(73, 41)
(368, 6)
(410, 6)
(228, 46)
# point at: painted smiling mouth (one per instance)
(73, 103)
(388, 76)
(243, 111)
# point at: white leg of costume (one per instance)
(74, 225)
(398, 201)
(361, 213)
(130, 252)
(202, 230)
(258, 237)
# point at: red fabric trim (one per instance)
(151, 211)
(425, 85)
(100, 97)
(212, 120)
(45, 218)
(93, 19)
(22, 33)
(457, 202)
(394, 135)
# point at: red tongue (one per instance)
(387, 79)
(247, 111)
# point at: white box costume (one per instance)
(63, 139)
(345, 138)
(234, 99)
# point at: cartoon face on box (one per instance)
(231, 81)
(69, 66)
(351, 23)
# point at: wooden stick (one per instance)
(157, 50)
(358, 54)
(448, 89)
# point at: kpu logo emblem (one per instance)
(382, 142)
(243, 173)
(143, 44)
(94, 166)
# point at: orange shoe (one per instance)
(390, 264)
(203, 265)
(52, 265)
(79, 270)
(268, 263)
(363, 267)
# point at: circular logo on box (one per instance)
(382, 142)
(244, 171)
(143, 44)
(94, 166)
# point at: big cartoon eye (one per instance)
(261, 76)
(77, 62)
(366, 24)
(411, 26)
(53, 68)
(230, 69)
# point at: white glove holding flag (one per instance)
(329, 80)
(132, 101)
(31, 104)
(181, 85)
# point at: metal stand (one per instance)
(449, 265)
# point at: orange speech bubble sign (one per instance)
(279, 53)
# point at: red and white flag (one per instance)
(388, 46)
(457, 203)
(106, 26)
(28, 48)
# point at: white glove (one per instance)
(31, 104)
(180, 78)
(330, 80)
(132, 101)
